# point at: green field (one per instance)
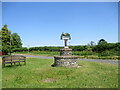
(38, 73)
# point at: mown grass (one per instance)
(38, 73)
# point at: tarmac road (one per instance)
(116, 62)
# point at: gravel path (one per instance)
(116, 62)
(92, 60)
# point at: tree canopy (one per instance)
(5, 36)
(16, 41)
(9, 40)
(101, 41)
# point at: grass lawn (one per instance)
(38, 73)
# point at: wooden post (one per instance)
(65, 41)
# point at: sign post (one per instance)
(65, 37)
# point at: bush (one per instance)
(19, 49)
(83, 53)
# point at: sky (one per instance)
(42, 23)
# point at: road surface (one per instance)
(116, 62)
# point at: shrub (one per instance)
(19, 49)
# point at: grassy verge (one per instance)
(102, 57)
(38, 73)
(42, 53)
(79, 54)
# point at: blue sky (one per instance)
(41, 23)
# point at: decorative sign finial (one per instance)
(65, 37)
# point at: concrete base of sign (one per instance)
(65, 61)
(65, 52)
(66, 47)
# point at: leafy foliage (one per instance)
(101, 40)
(9, 41)
(19, 49)
(16, 41)
(5, 36)
(103, 49)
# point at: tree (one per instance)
(92, 43)
(16, 41)
(5, 36)
(102, 46)
(8, 40)
(101, 40)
